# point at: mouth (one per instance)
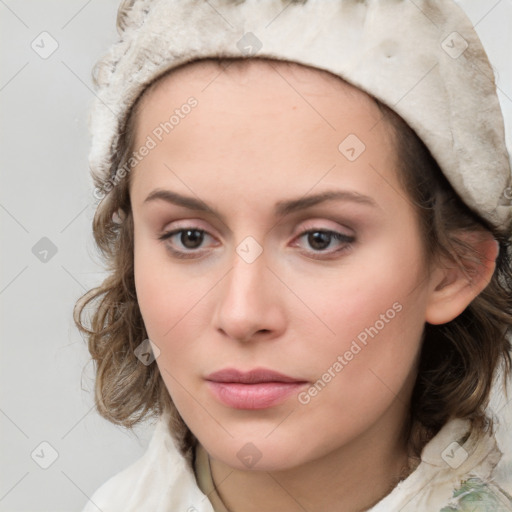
(256, 389)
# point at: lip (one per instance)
(259, 388)
(255, 376)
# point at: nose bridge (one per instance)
(249, 272)
(247, 278)
(246, 306)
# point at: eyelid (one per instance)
(345, 241)
(169, 233)
(182, 254)
(320, 224)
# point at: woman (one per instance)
(307, 240)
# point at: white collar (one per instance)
(162, 480)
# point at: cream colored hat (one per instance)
(423, 59)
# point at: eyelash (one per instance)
(340, 237)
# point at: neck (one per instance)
(352, 477)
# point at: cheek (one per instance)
(375, 312)
(174, 301)
(371, 283)
(149, 286)
(159, 289)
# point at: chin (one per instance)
(260, 455)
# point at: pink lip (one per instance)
(256, 389)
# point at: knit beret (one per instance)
(423, 59)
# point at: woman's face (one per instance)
(243, 286)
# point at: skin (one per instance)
(263, 133)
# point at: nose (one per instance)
(249, 307)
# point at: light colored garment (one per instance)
(453, 475)
(204, 479)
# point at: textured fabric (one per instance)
(421, 58)
(453, 475)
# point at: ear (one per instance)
(455, 284)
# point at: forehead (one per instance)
(302, 80)
(257, 89)
(261, 126)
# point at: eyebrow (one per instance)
(281, 208)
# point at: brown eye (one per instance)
(184, 242)
(320, 240)
(191, 238)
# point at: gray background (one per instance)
(46, 379)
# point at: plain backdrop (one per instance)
(47, 417)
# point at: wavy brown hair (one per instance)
(459, 359)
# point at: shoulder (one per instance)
(456, 474)
(475, 495)
(120, 486)
(160, 480)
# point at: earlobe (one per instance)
(455, 285)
